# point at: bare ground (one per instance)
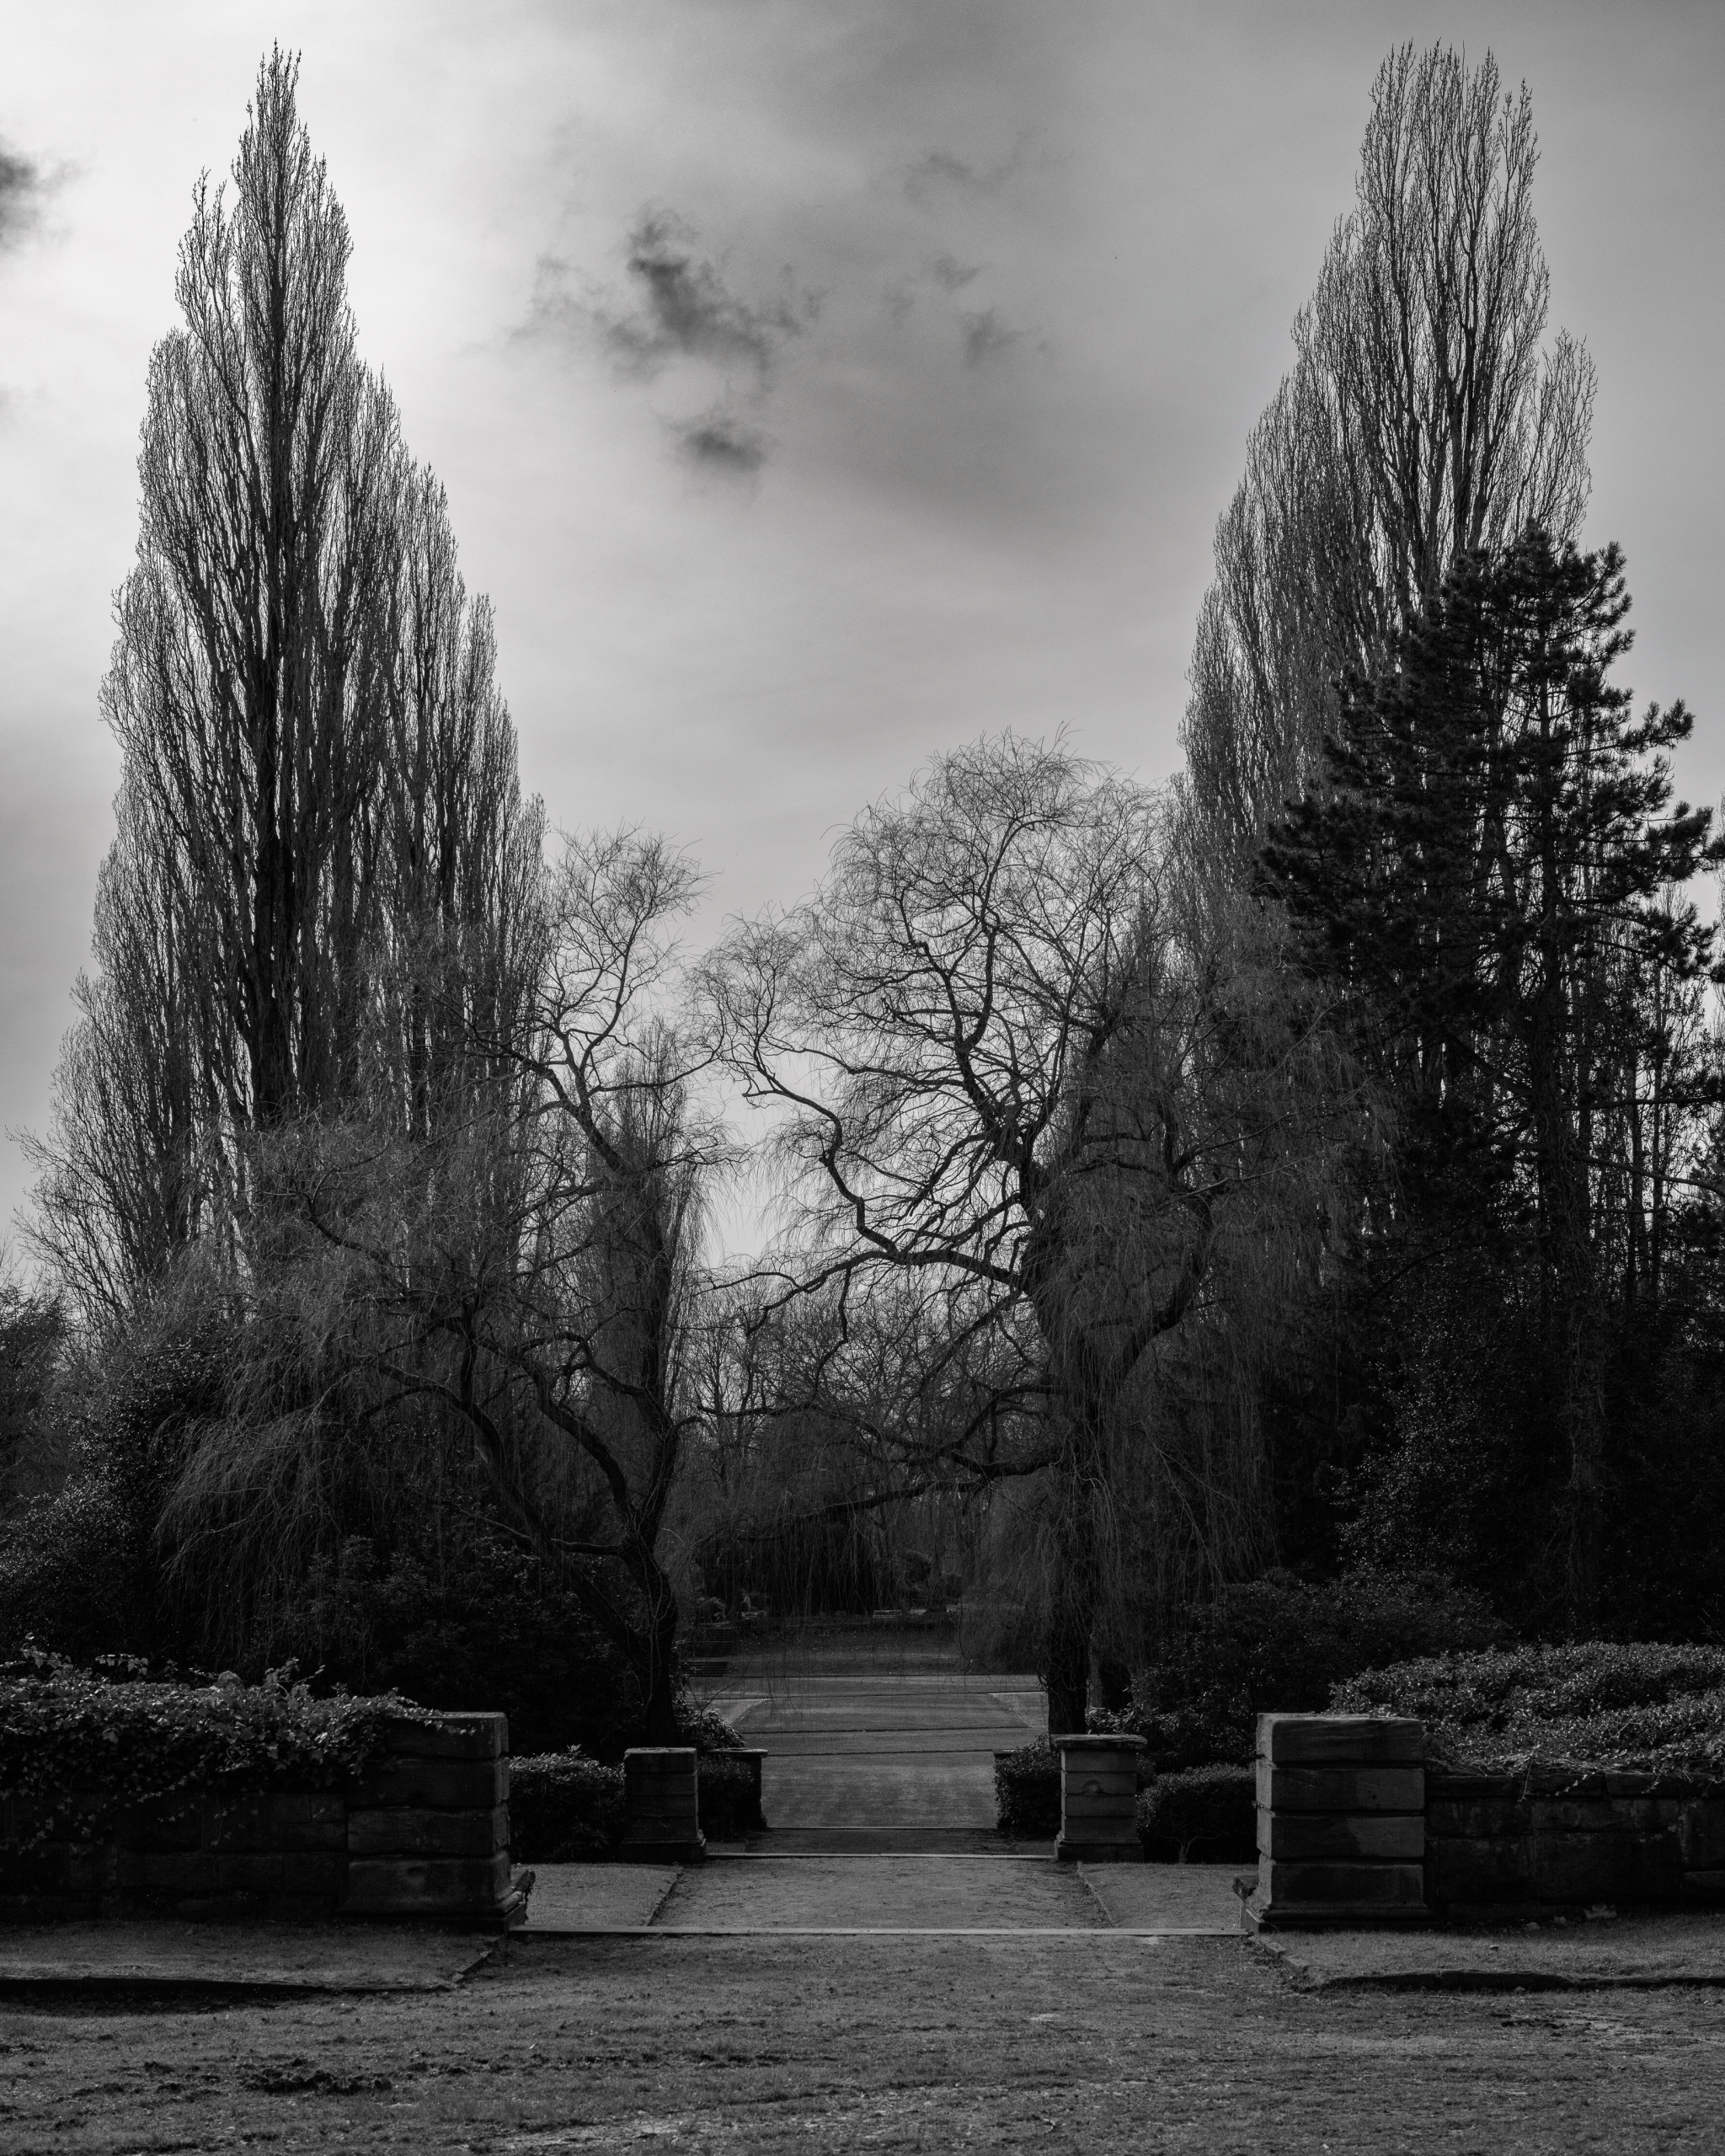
(1106, 2043)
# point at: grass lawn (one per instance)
(1112, 2043)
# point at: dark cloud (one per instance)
(682, 306)
(985, 337)
(721, 443)
(21, 187)
(684, 309)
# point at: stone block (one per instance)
(1577, 1816)
(1340, 1741)
(41, 1872)
(1449, 1786)
(1483, 1819)
(1340, 1789)
(1352, 1886)
(237, 1822)
(426, 1885)
(1078, 1804)
(435, 1784)
(171, 1823)
(178, 1873)
(1600, 1867)
(673, 1761)
(246, 1873)
(1111, 1740)
(1701, 1833)
(312, 1874)
(1374, 1838)
(406, 1831)
(1464, 1870)
(313, 1819)
(451, 1737)
(1103, 1782)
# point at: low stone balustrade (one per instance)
(1340, 1822)
(1099, 1799)
(662, 1805)
(425, 1835)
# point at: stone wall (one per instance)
(425, 1835)
(1559, 1835)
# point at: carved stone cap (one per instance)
(1097, 1743)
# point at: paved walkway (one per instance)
(746, 1896)
(878, 1743)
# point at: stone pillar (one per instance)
(662, 1805)
(1099, 1799)
(1341, 1823)
(428, 1831)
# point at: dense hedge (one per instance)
(1608, 1705)
(1201, 1815)
(730, 1807)
(1026, 1791)
(124, 1739)
(563, 1807)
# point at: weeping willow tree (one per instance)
(1425, 417)
(505, 1307)
(1003, 1084)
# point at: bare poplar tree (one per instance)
(245, 687)
(1423, 417)
(325, 883)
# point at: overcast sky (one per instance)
(997, 289)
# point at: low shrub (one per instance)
(1026, 1791)
(704, 1727)
(1201, 1815)
(563, 1807)
(730, 1798)
(1592, 1701)
(118, 1736)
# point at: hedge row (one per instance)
(1606, 1703)
(127, 1739)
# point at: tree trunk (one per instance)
(1071, 1622)
(1067, 1677)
